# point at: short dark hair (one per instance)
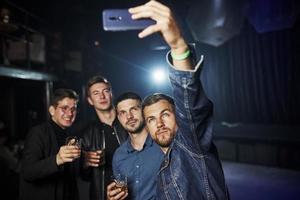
(128, 95)
(93, 80)
(154, 98)
(60, 94)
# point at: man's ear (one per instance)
(51, 110)
(90, 101)
(146, 127)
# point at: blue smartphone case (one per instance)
(120, 20)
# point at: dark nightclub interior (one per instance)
(251, 74)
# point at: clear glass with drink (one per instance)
(101, 150)
(74, 141)
(121, 182)
(101, 153)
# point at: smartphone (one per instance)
(120, 20)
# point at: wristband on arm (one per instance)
(182, 56)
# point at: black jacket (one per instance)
(94, 133)
(41, 178)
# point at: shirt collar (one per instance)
(148, 142)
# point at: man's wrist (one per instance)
(180, 47)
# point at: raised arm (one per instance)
(167, 26)
(193, 109)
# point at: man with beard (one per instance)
(139, 157)
(101, 138)
(182, 127)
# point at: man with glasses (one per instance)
(47, 170)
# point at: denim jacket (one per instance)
(191, 169)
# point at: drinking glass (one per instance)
(101, 147)
(102, 156)
(121, 182)
(73, 140)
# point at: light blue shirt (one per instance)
(140, 167)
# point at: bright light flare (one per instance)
(159, 75)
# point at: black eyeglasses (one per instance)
(66, 109)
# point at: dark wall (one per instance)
(253, 77)
(22, 105)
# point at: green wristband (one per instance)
(180, 56)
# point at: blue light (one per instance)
(159, 75)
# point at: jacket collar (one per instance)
(167, 159)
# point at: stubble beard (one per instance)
(138, 129)
(166, 140)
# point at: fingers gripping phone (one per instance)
(120, 20)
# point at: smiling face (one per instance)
(130, 115)
(64, 113)
(100, 96)
(161, 123)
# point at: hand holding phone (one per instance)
(120, 20)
